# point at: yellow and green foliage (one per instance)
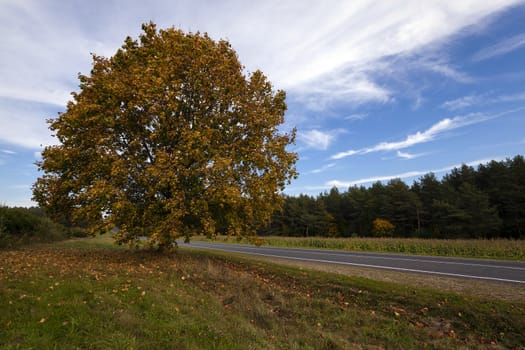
(383, 228)
(166, 138)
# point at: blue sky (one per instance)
(376, 90)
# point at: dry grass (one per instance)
(466, 287)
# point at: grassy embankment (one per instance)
(505, 249)
(91, 294)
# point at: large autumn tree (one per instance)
(167, 138)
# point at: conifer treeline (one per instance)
(483, 202)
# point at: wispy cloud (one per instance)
(446, 69)
(355, 86)
(331, 52)
(318, 139)
(323, 168)
(406, 155)
(462, 102)
(409, 174)
(295, 51)
(356, 116)
(501, 48)
(430, 134)
(7, 151)
(338, 183)
(25, 124)
(482, 100)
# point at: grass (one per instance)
(503, 249)
(90, 294)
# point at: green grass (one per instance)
(504, 249)
(89, 294)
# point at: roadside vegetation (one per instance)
(89, 291)
(23, 226)
(501, 249)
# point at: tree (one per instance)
(360, 210)
(466, 212)
(383, 228)
(404, 208)
(334, 207)
(482, 219)
(428, 190)
(167, 138)
(504, 182)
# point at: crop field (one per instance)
(89, 293)
(503, 249)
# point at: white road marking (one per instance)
(375, 266)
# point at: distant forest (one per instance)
(483, 202)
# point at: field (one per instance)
(502, 249)
(88, 293)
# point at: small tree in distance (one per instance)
(382, 228)
(168, 138)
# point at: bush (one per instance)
(383, 228)
(24, 226)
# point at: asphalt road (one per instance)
(491, 270)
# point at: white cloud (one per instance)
(323, 168)
(322, 51)
(345, 154)
(482, 100)
(346, 36)
(463, 102)
(24, 124)
(7, 151)
(421, 136)
(356, 116)
(450, 72)
(355, 86)
(409, 174)
(501, 48)
(295, 43)
(347, 184)
(316, 139)
(406, 155)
